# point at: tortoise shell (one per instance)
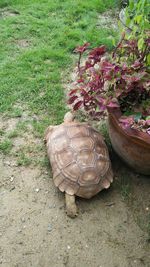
(79, 159)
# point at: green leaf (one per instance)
(137, 116)
(131, 4)
(128, 113)
(113, 41)
(140, 43)
(128, 21)
(138, 18)
(148, 59)
(146, 25)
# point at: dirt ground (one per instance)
(111, 229)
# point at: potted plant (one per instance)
(118, 84)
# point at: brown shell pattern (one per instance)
(79, 159)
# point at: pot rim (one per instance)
(115, 114)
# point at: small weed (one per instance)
(43, 162)
(22, 126)
(39, 128)
(125, 190)
(6, 146)
(23, 160)
(2, 132)
(144, 224)
(33, 149)
(13, 134)
(124, 185)
(15, 113)
(102, 127)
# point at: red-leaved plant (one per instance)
(117, 80)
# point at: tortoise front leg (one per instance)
(71, 207)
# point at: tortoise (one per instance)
(79, 159)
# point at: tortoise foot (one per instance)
(71, 207)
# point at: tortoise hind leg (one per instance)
(71, 207)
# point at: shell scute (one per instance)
(64, 158)
(60, 144)
(80, 143)
(96, 136)
(89, 177)
(88, 191)
(75, 131)
(72, 171)
(102, 165)
(66, 185)
(85, 158)
(58, 179)
(58, 131)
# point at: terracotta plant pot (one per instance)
(131, 145)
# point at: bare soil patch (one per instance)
(108, 20)
(23, 43)
(8, 13)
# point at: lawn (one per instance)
(37, 40)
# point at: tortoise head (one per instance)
(69, 117)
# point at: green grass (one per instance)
(23, 160)
(15, 113)
(13, 134)
(22, 126)
(32, 74)
(2, 132)
(6, 146)
(124, 184)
